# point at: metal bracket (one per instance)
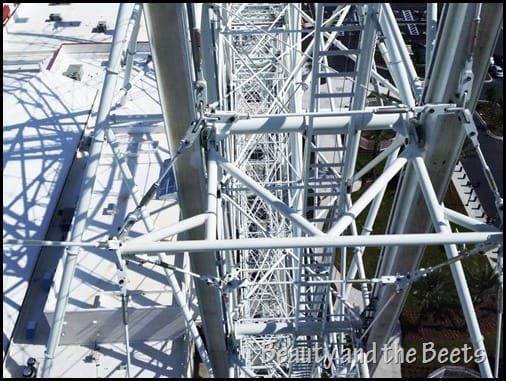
(190, 136)
(130, 221)
(208, 137)
(417, 125)
(113, 244)
(201, 97)
(466, 83)
(122, 280)
(406, 280)
(416, 132)
(211, 280)
(231, 280)
(228, 283)
(472, 133)
(226, 116)
(466, 118)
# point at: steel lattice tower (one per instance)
(265, 108)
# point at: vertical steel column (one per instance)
(132, 45)
(208, 43)
(410, 212)
(393, 58)
(314, 105)
(83, 205)
(169, 39)
(360, 89)
(356, 263)
(389, 20)
(430, 33)
(179, 296)
(188, 315)
(441, 225)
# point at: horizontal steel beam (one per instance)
(130, 247)
(304, 329)
(330, 124)
(470, 223)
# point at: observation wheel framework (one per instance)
(292, 300)
(264, 112)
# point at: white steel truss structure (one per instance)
(265, 108)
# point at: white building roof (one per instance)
(48, 122)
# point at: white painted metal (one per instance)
(442, 84)
(492, 237)
(431, 30)
(442, 225)
(274, 188)
(83, 205)
(168, 27)
(132, 34)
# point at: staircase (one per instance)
(339, 83)
(332, 89)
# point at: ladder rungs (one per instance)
(313, 293)
(306, 275)
(339, 52)
(334, 95)
(323, 165)
(308, 272)
(322, 219)
(310, 319)
(342, 28)
(324, 261)
(312, 255)
(312, 303)
(319, 207)
(309, 281)
(317, 181)
(313, 310)
(316, 299)
(324, 194)
(320, 273)
(318, 264)
(328, 187)
(336, 74)
(321, 264)
(328, 149)
(314, 275)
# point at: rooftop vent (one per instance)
(101, 27)
(74, 72)
(54, 17)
